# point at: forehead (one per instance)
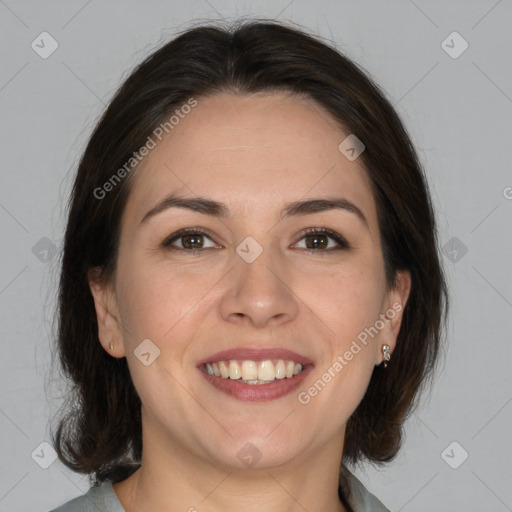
(254, 153)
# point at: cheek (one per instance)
(347, 301)
(157, 299)
(158, 302)
(163, 306)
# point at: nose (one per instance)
(259, 293)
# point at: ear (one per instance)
(392, 315)
(105, 304)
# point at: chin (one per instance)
(257, 451)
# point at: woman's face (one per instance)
(253, 282)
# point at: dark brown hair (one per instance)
(100, 431)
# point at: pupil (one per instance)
(318, 241)
(191, 238)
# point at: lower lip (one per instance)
(257, 392)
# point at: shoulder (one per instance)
(97, 499)
(360, 499)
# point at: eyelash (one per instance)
(340, 240)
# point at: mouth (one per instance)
(254, 372)
(256, 375)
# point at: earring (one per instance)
(386, 354)
(111, 345)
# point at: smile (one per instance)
(256, 374)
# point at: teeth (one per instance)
(235, 371)
(249, 370)
(254, 372)
(290, 367)
(224, 372)
(280, 369)
(266, 371)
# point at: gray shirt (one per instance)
(104, 499)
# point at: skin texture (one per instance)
(255, 153)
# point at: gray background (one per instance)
(458, 112)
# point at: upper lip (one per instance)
(256, 354)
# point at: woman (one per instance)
(251, 296)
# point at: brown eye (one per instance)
(188, 240)
(323, 239)
(192, 241)
(317, 241)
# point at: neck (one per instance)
(172, 478)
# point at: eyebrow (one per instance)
(217, 209)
